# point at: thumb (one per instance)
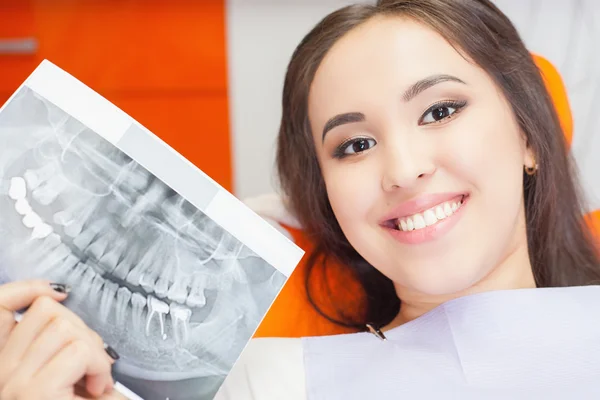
(15, 296)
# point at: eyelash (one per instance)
(457, 105)
(340, 151)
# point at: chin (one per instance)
(445, 281)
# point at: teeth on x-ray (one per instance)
(75, 276)
(54, 259)
(109, 260)
(155, 195)
(196, 297)
(161, 287)
(178, 290)
(88, 277)
(89, 233)
(95, 287)
(48, 191)
(99, 246)
(41, 231)
(17, 189)
(180, 318)
(109, 292)
(22, 207)
(123, 297)
(151, 273)
(31, 219)
(160, 309)
(74, 217)
(35, 177)
(123, 267)
(150, 260)
(138, 303)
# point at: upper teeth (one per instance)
(429, 217)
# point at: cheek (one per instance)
(352, 191)
(486, 152)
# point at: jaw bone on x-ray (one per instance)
(175, 293)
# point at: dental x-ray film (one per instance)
(169, 268)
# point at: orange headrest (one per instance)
(558, 92)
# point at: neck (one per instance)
(513, 272)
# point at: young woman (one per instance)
(419, 147)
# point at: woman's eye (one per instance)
(440, 112)
(354, 146)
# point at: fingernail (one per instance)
(111, 352)
(61, 288)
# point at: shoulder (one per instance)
(268, 369)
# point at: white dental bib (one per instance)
(514, 344)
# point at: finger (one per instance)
(57, 335)
(41, 313)
(71, 364)
(15, 296)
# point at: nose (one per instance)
(406, 165)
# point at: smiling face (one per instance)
(422, 158)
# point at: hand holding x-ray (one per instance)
(50, 350)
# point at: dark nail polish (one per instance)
(111, 352)
(60, 287)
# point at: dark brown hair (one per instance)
(561, 250)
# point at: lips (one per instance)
(421, 204)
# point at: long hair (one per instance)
(561, 249)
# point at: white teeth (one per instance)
(31, 220)
(403, 225)
(138, 303)
(429, 217)
(180, 318)
(22, 207)
(123, 298)
(448, 210)
(156, 306)
(108, 296)
(439, 213)
(17, 189)
(41, 231)
(418, 221)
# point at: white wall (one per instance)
(262, 35)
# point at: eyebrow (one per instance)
(416, 88)
(413, 91)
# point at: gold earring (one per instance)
(531, 170)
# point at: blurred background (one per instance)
(206, 75)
